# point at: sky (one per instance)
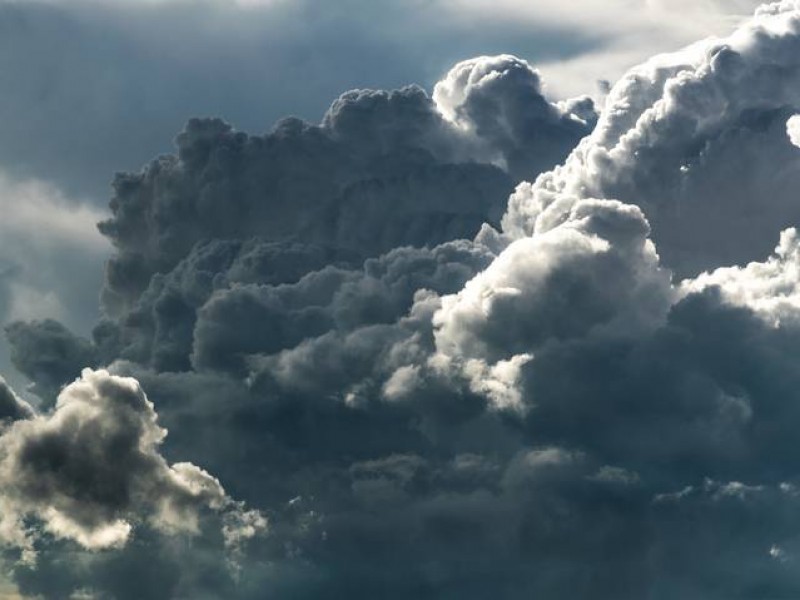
(473, 298)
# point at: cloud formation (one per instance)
(382, 170)
(675, 133)
(427, 399)
(91, 470)
(233, 254)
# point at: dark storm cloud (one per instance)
(541, 410)
(160, 329)
(627, 438)
(95, 87)
(258, 319)
(243, 246)
(383, 169)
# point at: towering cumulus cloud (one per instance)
(698, 140)
(383, 169)
(412, 394)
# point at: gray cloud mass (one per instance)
(416, 380)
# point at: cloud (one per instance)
(427, 406)
(768, 288)
(500, 100)
(566, 282)
(382, 170)
(326, 300)
(91, 469)
(693, 138)
(338, 226)
(635, 390)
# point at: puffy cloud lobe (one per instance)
(91, 470)
(499, 100)
(694, 139)
(255, 189)
(353, 363)
(597, 274)
(597, 270)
